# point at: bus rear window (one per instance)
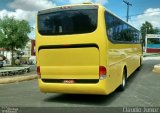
(68, 22)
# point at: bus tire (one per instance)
(124, 78)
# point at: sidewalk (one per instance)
(18, 78)
(153, 56)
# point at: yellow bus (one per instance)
(85, 49)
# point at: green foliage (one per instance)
(147, 28)
(156, 30)
(153, 41)
(13, 33)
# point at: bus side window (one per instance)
(119, 31)
(109, 24)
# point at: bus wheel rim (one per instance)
(124, 82)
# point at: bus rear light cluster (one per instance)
(38, 71)
(102, 72)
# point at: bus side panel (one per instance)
(121, 55)
(114, 73)
(133, 60)
(116, 65)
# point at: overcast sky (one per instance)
(140, 11)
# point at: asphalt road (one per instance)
(143, 89)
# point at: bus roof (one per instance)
(68, 7)
(87, 5)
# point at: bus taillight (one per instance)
(38, 71)
(102, 72)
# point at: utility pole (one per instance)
(128, 4)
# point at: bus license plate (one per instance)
(69, 81)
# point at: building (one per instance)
(152, 47)
(23, 54)
(28, 51)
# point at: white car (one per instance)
(32, 60)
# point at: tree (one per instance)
(13, 34)
(156, 30)
(147, 28)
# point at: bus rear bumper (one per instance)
(98, 88)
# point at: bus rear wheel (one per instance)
(123, 84)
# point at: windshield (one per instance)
(68, 22)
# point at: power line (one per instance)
(141, 14)
(144, 13)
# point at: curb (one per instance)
(17, 79)
(151, 58)
(156, 68)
